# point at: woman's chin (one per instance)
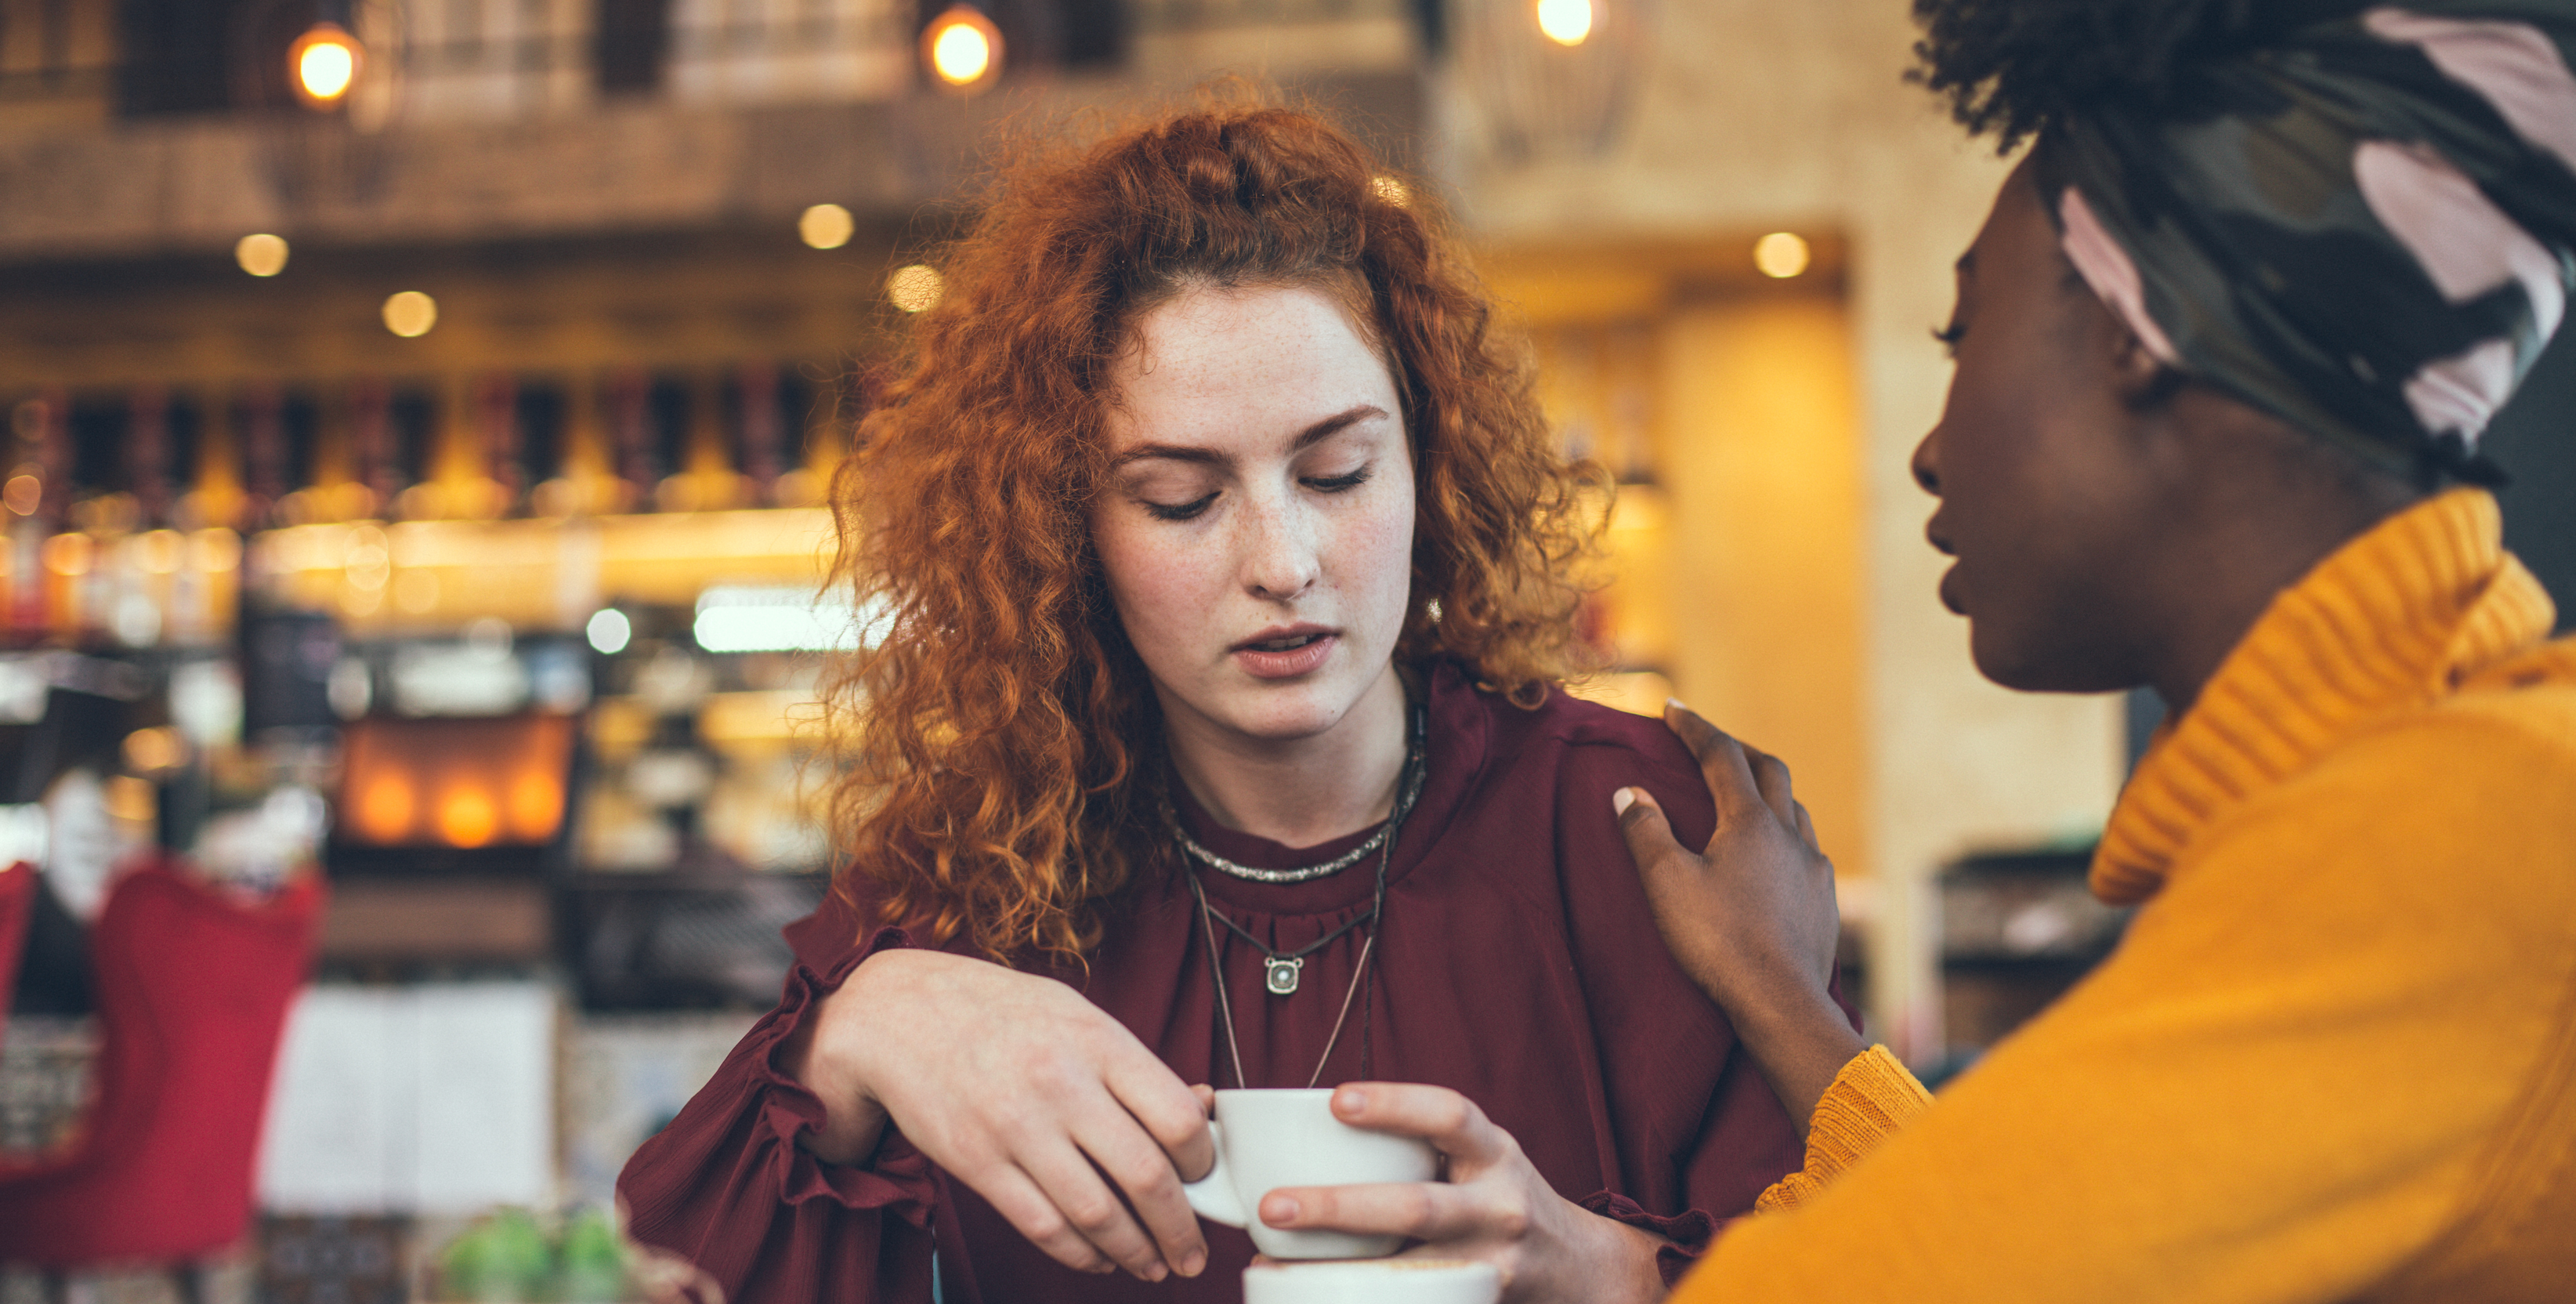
(1283, 721)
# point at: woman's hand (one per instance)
(1751, 918)
(1495, 1207)
(1024, 1091)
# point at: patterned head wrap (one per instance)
(2365, 231)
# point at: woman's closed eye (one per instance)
(1180, 511)
(1333, 484)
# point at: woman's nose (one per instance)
(1926, 463)
(1282, 561)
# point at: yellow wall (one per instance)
(1760, 460)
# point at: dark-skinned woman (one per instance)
(2225, 348)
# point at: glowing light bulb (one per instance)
(1566, 22)
(963, 47)
(914, 288)
(261, 255)
(1780, 255)
(323, 64)
(410, 314)
(825, 226)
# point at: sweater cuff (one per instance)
(1686, 1235)
(1870, 1100)
(897, 1179)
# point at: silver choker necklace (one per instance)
(1412, 788)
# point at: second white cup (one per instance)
(1267, 1139)
(1373, 1281)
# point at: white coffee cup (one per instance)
(1373, 1281)
(1267, 1139)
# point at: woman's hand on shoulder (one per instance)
(1026, 1092)
(1494, 1207)
(1751, 917)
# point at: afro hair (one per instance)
(2012, 67)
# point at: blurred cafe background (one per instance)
(419, 415)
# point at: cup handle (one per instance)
(1214, 1196)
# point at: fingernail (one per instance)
(1157, 1272)
(1350, 1100)
(1621, 800)
(1279, 1210)
(1193, 1263)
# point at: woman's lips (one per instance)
(1950, 590)
(1261, 663)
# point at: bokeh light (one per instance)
(914, 288)
(70, 554)
(323, 64)
(1391, 190)
(410, 314)
(385, 809)
(963, 47)
(1780, 255)
(214, 550)
(149, 751)
(1566, 22)
(467, 816)
(23, 494)
(536, 805)
(825, 226)
(609, 631)
(261, 254)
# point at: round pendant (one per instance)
(1280, 975)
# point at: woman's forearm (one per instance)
(1801, 1042)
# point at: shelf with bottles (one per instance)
(133, 518)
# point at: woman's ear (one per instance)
(2141, 379)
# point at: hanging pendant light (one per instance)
(323, 65)
(962, 49)
(1553, 78)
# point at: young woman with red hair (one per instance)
(1215, 737)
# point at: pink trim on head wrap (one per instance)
(2468, 247)
(2106, 267)
(2460, 394)
(2519, 70)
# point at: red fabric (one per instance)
(17, 904)
(1520, 966)
(193, 989)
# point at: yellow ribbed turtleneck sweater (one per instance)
(2335, 1056)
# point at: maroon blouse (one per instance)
(1518, 964)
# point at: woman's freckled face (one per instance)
(1256, 525)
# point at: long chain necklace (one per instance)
(1280, 970)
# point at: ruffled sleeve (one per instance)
(1870, 1100)
(728, 1186)
(1686, 1235)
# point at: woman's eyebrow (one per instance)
(1307, 438)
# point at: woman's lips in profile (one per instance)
(1949, 578)
(1285, 652)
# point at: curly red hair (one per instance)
(990, 745)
